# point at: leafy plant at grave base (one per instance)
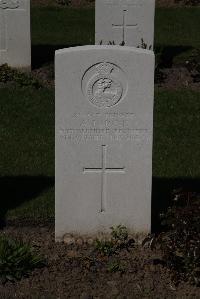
(122, 43)
(112, 43)
(193, 66)
(119, 233)
(143, 45)
(105, 247)
(159, 74)
(16, 259)
(64, 2)
(8, 74)
(119, 240)
(116, 266)
(181, 243)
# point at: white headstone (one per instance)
(104, 123)
(15, 44)
(125, 21)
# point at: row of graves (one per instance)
(104, 115)
(117, 22)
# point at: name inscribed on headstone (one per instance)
(103, 126)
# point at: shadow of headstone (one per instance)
(16, 190)
(162, 195)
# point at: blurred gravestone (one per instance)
(129, 22)
(15, 44)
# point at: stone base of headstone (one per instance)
(91, 240)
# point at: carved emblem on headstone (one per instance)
(4, 4)
(104, 88)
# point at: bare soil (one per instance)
(81, 272)
(176, 77)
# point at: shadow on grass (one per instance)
(162, 195)
(168, 53)
(16, 190)
(44, 54)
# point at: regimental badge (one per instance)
(104, 88)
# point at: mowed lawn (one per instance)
(27, 115)
(67, 26)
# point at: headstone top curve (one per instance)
(103, 47)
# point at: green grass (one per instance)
(27, 115)
(27, 131)
(62, 26)
(27, 149)
(68, 26)
(176, 134)
(178, 27)
(27, 136)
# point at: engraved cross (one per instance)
(104, 170)
(4, 6)
(124, 26)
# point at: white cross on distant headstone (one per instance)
(4, 6)
(123, 26)
(103, 170)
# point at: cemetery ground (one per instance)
(117, 269)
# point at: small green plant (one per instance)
(122, 43)
(8, 74)
(105, 247)
(112, 43)
(119, 233)
(119, 240)
(16, 259)
(115, 266)
(143, 45)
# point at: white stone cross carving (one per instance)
(4, 6)
(103, 170)
(123, 26)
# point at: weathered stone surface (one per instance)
(125, 21)
(104, 123)
(15, 43)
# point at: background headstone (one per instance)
(15, 43)
(125, 21)
(104, 123)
